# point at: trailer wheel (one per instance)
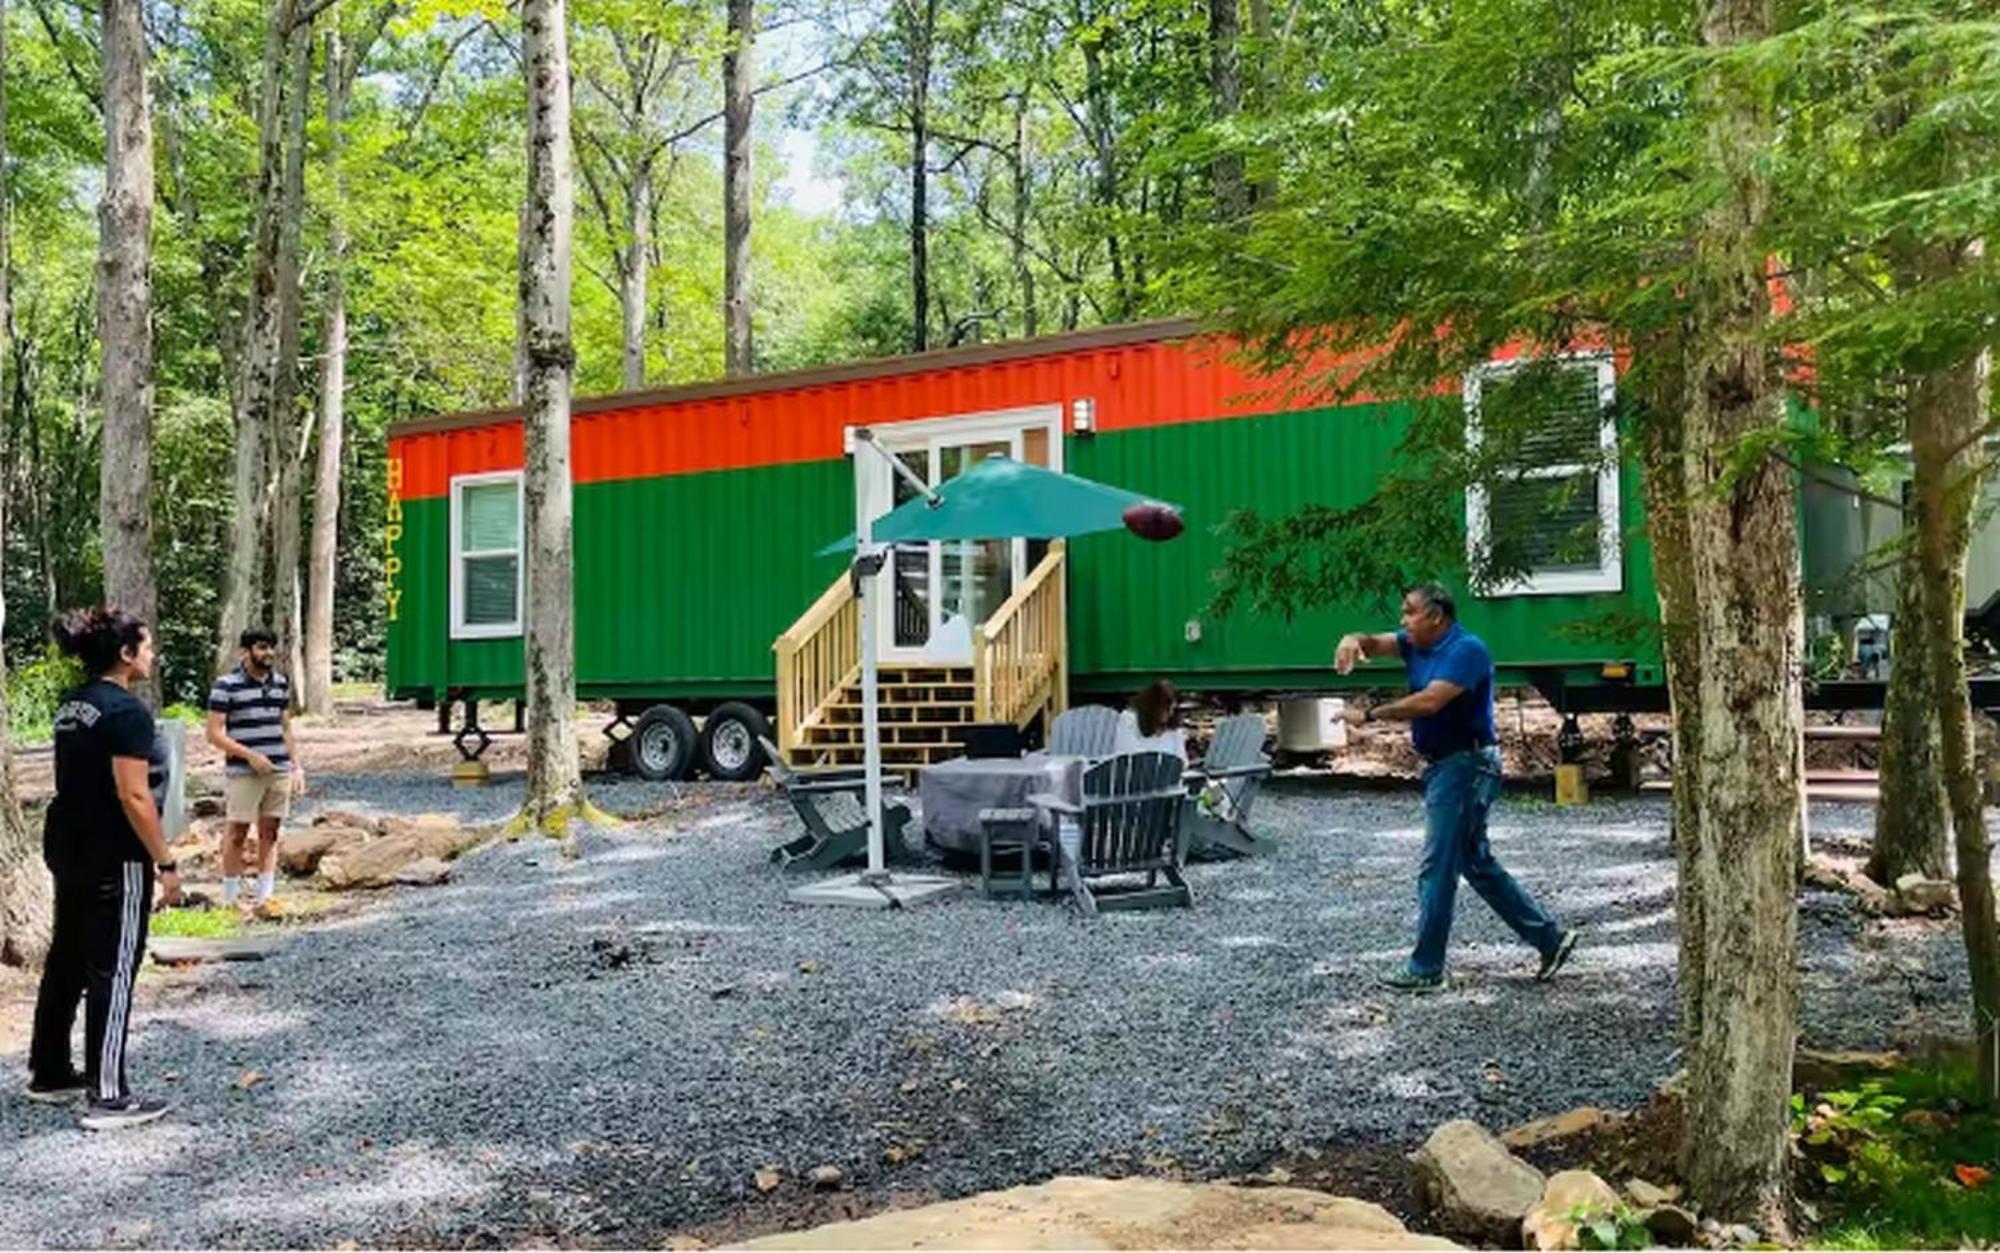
(662, 744)
(729, 748)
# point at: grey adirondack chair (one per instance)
(1128, 824)
(832, 805)
(1230, 777)
(1086, 731)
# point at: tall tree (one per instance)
(1747, 622)
(1913, 817)
(125, 299)
(916, 22)
(264, 388)
(1225, 84)
(288, 427)
(342, 65)
(555, 774)
(24, 882)
(739, 102)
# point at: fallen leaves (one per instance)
(1973, 1177)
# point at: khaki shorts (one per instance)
(249, 797)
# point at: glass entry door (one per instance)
(942, 592)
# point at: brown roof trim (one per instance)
(820, 376)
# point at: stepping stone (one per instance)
(176, 949)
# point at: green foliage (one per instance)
(204, 924)
(1901, 1162)
(33, 692)
(1622, 1228)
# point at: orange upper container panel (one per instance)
(1149, 374)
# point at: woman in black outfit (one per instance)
(103, 843)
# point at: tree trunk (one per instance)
(1912, 820)
(555, 778)
(1663, 449)
(920, 205)
(25, 899)
(287, 427)
(1263, 79)
(1947, 411)
(739, 102)
(318, 673)
(1225, 84)
(632, 275)
(124, 321)
(244, 594)
(1743, 857)
(1024, 273)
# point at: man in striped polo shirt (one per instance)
(250, 721)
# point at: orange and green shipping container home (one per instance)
(698, 511)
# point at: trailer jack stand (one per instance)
(470, 770)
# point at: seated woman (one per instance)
(1153, 723)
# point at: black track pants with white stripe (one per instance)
(100, 935)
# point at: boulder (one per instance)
(346, 818)
(1821, 1069)
(1575, 1122)
(1142, 1213)
(370, 864)
(445, 842)
(1926, 896)
(827, 1176)
(1551, 1223)
(1472, 1185)
(1672, 1226)
(424, 872)
(400, 824)
(1650, 1195)
(300, 852)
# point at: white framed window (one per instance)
(486, 555)
(1567, 475)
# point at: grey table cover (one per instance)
(953, 792)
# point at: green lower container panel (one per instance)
(684, 582)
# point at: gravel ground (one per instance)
(606, 1050)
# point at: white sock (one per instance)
(267, 883)
(231, 885)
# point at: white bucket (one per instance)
(1312, 724)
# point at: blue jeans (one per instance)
(1458, 791)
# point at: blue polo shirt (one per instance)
(1467, 722)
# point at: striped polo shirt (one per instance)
(254, 715)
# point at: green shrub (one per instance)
(33, 692)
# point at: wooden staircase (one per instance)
(1020, 671)
(922, 710)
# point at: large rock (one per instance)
(1672, 1226)
(1473, 1186)
(1075, 1213)
(1568, 1196)
(445, 841)
(1582, 1120)
(371, 864)
(424, 872)
(1926, 896)
(346, 818)
(300, 852)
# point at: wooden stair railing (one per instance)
(1020, 655)
(818, 657)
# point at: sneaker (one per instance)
(1554, 959)
(61, 1092)
(1404, 979)
(130, 1111)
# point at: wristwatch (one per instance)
(168, 867)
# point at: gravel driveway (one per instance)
(607, 1049)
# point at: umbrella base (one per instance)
(864, 891)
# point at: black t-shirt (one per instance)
(86, 831)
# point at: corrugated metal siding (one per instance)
(1130, 387)
(1131, 601)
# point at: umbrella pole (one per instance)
(871, 729)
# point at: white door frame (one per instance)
(930, 436)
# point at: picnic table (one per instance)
(953, 792)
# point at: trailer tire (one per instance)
(662, 744)
(729, 748)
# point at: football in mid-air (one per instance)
(1152, 520)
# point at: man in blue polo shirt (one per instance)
(1450, 712)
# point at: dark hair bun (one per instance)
(98, 636)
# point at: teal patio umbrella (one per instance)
(999, 498)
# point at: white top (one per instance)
(1172, 741)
